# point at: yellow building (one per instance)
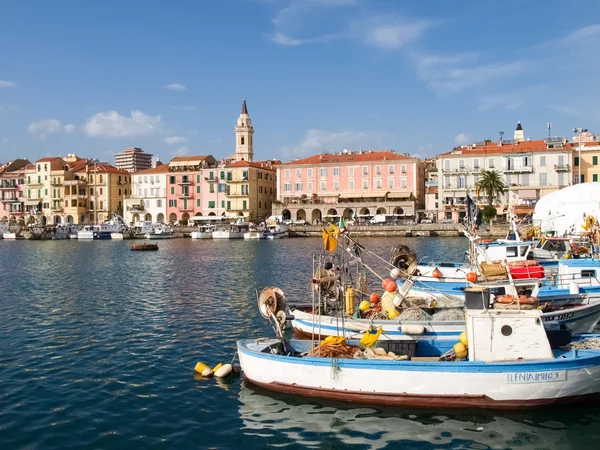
(586, 162)
(250, 189)
(45, 185)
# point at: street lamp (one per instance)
(579, 130)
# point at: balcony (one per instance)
(185, 195)
(57, 209)
(522, 169)
(75, 196)
(241, 180)
(138, 208)
(562, 167)
(6, 185)
(236, 195)
(9, 199)
(75, 182)
(185, 182)
(185, 208)
(56, 183)
(35, 183)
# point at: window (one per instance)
(222, 203)
(336, 171)
(377, 184)
(447, 182)
(211, 204)
(323, 172)
(172, 190)
(310, 186)
(475, 179)
(287, 187)
(390, 183)
(336, 185)
(244, 175)
(491, 163)
(378, 170)
(351, 171)
(287, 173)
(461, 182)
(211, 175)
(594, 160)
(172, 203)
(101, 191)
(159, 203)
(228, 205)
(172, 179)
(222, 174)
(211, 188)
(119, 192)
(476, 163)
(365, 184)
(461, 163)
(403, 167)
(365, 170)
(322, 185)
(197, 189)
(403, 183)
(576, 161)
(351, 184)
(542, 161)
(561, 178)
(242, 141)
(310, 172)
(298, 187)
(244, 205)
(197, 178)
(146, 179)
(508, 179)
(198, 202)
(391, 170)
(595, 177)
(244, 189)
(543, 179)
(298, 173)
(525, 179)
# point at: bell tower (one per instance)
(244, 132)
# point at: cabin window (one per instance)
(588, 274)
(506, 330)
(524, 250)
(511, 251)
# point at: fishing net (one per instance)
(585, 344)
(378, 353)
(375, 314)
(449, 315)
(449, 302)
(342, 350)
(414, 313)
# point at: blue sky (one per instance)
(319, 75)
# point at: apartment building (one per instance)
(133, 159)
(350, 184)
(530, 170)
(148, 199)
(586, 158)
(12, 190)
(250, 188)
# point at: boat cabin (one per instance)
(551, 248)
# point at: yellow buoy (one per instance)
(349, 301)
(223, 371)
(460, 350)
(217, 367)
(364, 305)
(333, 340)
(463, 339)
(200, 367)
(393, 314)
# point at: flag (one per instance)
(342, 228)
(329, 240)
(471, 211)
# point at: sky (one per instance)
(418, 77)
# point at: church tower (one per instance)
(244, 132)
(519, 136)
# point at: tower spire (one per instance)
(244, 108)
(244, 132)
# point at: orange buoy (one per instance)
(472, 277)
(374, 297)
(436, 273)
(389, 285)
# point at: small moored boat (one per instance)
(144, 247)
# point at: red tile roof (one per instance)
(256, 164)
(163, 168)
(367, 156)
(496, 148)
(191, 158)
(56, 163)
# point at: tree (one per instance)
(491, 184)
(488, 213)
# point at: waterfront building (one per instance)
(350, 184)
(12, 190)
(431, 203)
(45, 186)
(133, 159)
(586, 158)
(148, 199)
(250, 188)
(244, 134)
(530, 169)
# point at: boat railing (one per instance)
(580, 279)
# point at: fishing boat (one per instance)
(254, 234)
(504, 360)
(144, 247)
(232, 231)
(203, 232)
(10, 236)
(276, 231)
(4, 229)
(160, 232)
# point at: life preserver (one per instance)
(485, 241)
(510, 299)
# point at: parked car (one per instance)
(287, 222)
(300, 222)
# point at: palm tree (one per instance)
(491, 184)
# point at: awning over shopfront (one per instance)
(405, 195)
(31, 202)
(355, 195)
(527, 194)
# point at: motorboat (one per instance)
(4, 229)
(203, 232)
(160, 232)
(232, 231)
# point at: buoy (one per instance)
(364, 305)
(471, 277)
(349, 301)
(460, 350)
(389, 285)
(463, 339)
(393, 314)
(374, 297)
(207, 372)
(412, 329)
(217, 367)
(223, 371)
(436, 273)
(200, 367)
(395, 273)
(573, 288)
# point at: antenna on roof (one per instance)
(501, 133)
(549, 129)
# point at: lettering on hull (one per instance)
(536, 377)
(559, 317)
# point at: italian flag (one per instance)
(343, 228)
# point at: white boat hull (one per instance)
(9, 236)
(227, 235)
(159, 236)
(511, 385)
(116, 235)
(253, 235)
(201, 235)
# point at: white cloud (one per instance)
(584, 36)
(283, 39)
(462, 139)
(44, 128)
(171, 140)
(111, 124)
(182, 151)
(320, 141)
(391, 32)
(6, 84)
(175, 87)
(69, 128)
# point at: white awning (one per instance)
(31, 202)
(527, 194)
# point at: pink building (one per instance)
(195, 186)
(350, 184)
(12, 192)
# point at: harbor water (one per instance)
(98, 346)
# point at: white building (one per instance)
(530, 169)
(133, 159)
(149, 196)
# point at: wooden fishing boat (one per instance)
(144, 247)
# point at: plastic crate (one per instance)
(408, 348)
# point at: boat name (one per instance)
(559, 317)
(536, 377)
